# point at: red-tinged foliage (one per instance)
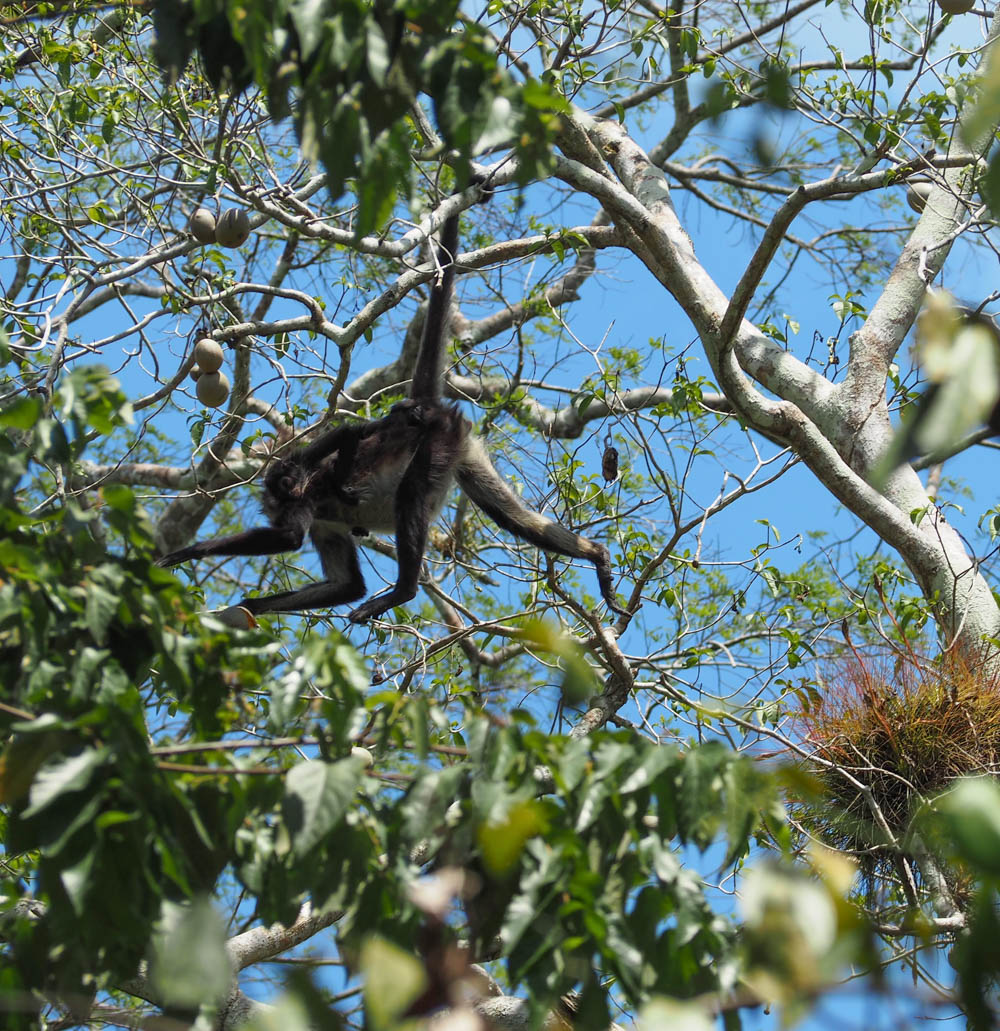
(893, 731)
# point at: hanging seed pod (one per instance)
(956, 6)
(202, 226)
(212, 389)
(609, 461)
(233, 228)
(208, 355)
(917, 194)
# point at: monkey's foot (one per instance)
(176, 557)
(368, 611)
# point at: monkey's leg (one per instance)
(265, 540)
(413, 516)
(484, 485)
(343, 582)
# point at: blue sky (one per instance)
(624, 306)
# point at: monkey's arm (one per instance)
(344, 440)
(334, 440)
(265, 540)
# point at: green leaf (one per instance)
(100, 608)
(21, 414)
(76, 881)
(307, 17)
(990, 184)
(660, 1014)
(393, 980)
(500, 127)
(377, 52)
(317, 795)
(23, 756)
(190, 965)
(653, 763)
(986, 112)
(971, 813)
(289, 1013)
(58, 778)
(501, 842)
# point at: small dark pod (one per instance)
(609, 461)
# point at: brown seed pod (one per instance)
(208, 355)
(202, 226)
(956, 6)
(609, 461)
(195, 373)
(233, 228)
(212, 389)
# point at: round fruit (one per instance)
(956, 6)
(202, 226)
(212, 389)
(236, 616)
(357, 752)
(917, 194)
(233, 228)
(208, 355)
(195, 373)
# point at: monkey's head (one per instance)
(410, 412)
(287, 481)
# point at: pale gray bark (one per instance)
(842, 430)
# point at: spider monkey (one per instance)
(389, 475)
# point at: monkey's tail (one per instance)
(428, 372)
(479, 479)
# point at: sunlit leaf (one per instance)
(317, 795)
(190, 965)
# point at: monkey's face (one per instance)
(286, 480)
(409, 413)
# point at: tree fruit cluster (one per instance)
(232, 229)
(212, 385)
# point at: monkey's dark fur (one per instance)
(389, 475)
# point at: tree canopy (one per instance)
(727, 310)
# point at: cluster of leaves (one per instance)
(566, 846)
(82, 632)
(966, 824)
(569, 842)
(350, 74)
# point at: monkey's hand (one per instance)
(379, 604)
(346, 495)
(175, 558)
